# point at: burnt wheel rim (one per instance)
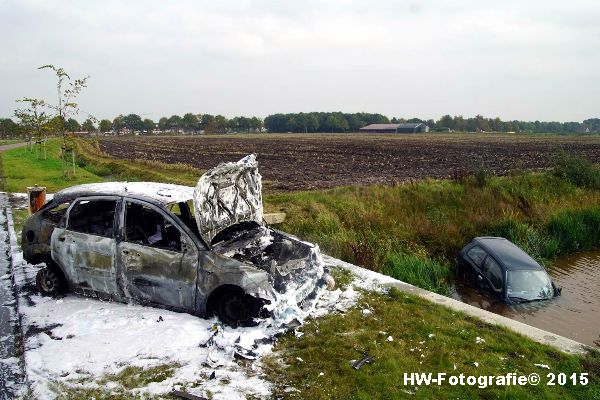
(236, 309)
(48, 281)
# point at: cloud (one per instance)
(525, 60)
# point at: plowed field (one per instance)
(304, 162)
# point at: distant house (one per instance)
(408, 127)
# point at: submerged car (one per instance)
(204, 250)
(501, 267)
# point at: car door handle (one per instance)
(143, 282)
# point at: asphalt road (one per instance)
(12, 146)
(11, 373)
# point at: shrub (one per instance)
(481, 174)
(422, 272)
(575, 230)
(533, 241)
(577, 170)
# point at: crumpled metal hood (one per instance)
(228, 194)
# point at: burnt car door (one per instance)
(85, 245)
(159, 261)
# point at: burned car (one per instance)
(204, 250)
(502, 268)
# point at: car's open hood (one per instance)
(228, 194)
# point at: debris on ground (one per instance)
(365, 360)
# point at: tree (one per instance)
(133, 122)
(334, 123)
(67, 91)
(71, 125)
(8, 128)
(481, 124)
(105, 125)
(207, 122)
(163, 124)
(149, 125)
(221, 123)
(446, 122)
(233, 124)
(88, 126)
(118, 124)
(190, 122)
(255, 124)
(175, 123)
(33, 117)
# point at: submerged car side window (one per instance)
(477, 254)
(145, 226)
(493, 272)
(95, 217)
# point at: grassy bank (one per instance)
(22, 168)
(425, 338)
(409, 231)
(413, 231)
(109, 168)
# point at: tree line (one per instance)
(352, 122)
(291, 122)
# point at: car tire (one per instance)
(237, 308)
(49, 282)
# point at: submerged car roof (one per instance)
(507, 253)
(162, 192)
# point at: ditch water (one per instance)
(575, 314)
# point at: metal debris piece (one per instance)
(365, 360)
(187, 396)
(210, 341)
(245, 354)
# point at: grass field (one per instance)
(425, 338)
(409, 231)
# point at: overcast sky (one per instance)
(525, 59)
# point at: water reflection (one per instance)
(575, 314)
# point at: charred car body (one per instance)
(499, 266)
(203, 250)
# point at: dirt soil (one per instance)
(305, 162)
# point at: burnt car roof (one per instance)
(164, 193)
(507, 253)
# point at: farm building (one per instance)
(409, 127)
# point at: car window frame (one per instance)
(64, 223)
(165, 214)
(502, 274)
(487, 254)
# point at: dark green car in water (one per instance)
(499, 266)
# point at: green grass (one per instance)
(410, 231)
(330, 343)
(422, 272)
(428, 222)
(124, 383)
(22, 169)
(109, 168)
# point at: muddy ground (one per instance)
(304, 162)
